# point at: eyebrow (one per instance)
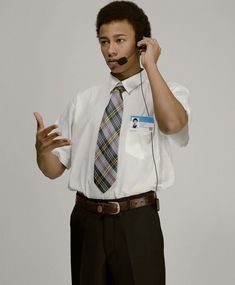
(115, 36)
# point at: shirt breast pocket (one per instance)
(138, 144)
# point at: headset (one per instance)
(151, 133)
(122, 61)
(143, 48)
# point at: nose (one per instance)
(112, 49)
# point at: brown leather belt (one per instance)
(114, 207)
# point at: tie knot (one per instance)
(120, 88)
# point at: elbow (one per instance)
(52, 175)
(174, 126)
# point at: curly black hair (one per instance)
(125, 10)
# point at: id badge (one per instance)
(141, 124)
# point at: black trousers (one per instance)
(123, 249)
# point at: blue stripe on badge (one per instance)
(143, 119)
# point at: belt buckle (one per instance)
(118, 207)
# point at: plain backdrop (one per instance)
(48, 52)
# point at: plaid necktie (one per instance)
(106, 154)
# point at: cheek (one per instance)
(134, 55)
(102, 51)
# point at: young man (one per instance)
(116, 236)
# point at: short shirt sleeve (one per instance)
(182, 95)
(65, 122)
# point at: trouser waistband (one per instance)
(114, 207)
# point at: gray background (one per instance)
(48, 52)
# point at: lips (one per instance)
(112, 63)
(112, 60)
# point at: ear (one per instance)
(139, 37)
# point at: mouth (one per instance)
(112, 62)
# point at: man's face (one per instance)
(117, 39)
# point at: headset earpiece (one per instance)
(143, 47)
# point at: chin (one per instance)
(116, 69)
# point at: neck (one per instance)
(125, 75)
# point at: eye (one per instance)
(120, 40)
(103, 42)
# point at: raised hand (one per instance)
(46, 139)
(149, 56)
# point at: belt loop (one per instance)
(158, 204)
(129, 202)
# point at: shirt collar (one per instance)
(130, 83)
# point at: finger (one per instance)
(141, 43)
(150, 41)
(50, 145)
(52, 136)
(40, 124)
(48, 129)
(145, 43)
(60, 143)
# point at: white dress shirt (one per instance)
(136, 174)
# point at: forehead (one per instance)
(118, 27)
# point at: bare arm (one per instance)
(170, 114)
(46, 141)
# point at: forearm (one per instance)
(50, 165)
(170, 114)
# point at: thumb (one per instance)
(40, 124)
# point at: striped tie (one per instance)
(106, 154)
